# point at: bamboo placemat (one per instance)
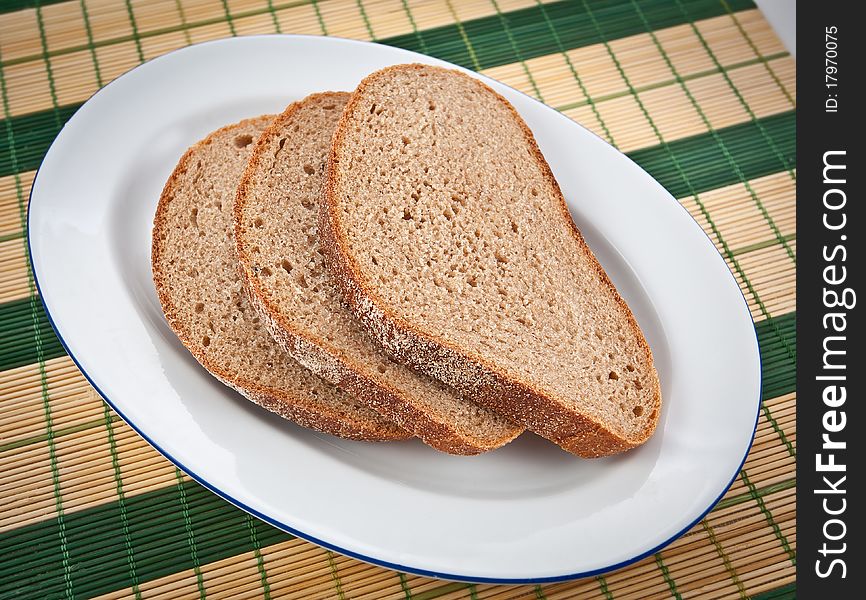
(699, 92)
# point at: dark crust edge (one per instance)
(292, 407)
(328, 363)
(573, 431)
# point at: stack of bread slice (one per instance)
(399, 262)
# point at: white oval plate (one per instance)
(526, 513)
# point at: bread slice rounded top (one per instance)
(196, 274)
(276, 231)
(452, 241)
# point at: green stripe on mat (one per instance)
(33, 134)
(777, 339)
(529, 36)
(23, 326)
(8, 6)
(158, 533)
(787, 592)
(703, 161)
(29, 557)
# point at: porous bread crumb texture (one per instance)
(455, 243)
(198, 281)
(276, 229)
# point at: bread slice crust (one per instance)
(462, 367)
(311, 348)
(297, 405)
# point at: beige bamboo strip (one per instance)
(776, 470)
(771, 438)
(657, 587)
(153, 47)
(743, 517)
(753, 539)
(156, 14)
(742, 492)
(9, 252)
(20, 399)
(363, 580)
(27, 423)
(706, 577)
(749, 517)
(13, 464)
(388, 17)
(40, 510)
(757, 268)
(774, 284)
(770, 554)
(786, 405)
(761, 538)
(20, 382)
(180, 585)
(780, 471)
(769, 578)
(690, 577)
(422, 585)
(15, 285)
(786, 415)
(641, 576)
(557, 592)
(756, 540)
(768, 451)
(88, 439)
(316, 579)
(285, 578)
(10, 209)
(305, 556)
(776, 192)
(766, 446)
(22, 393)
(256, 25)
(581, 589)
(234, 577)
(749, 524)
(783, 473)
(717, 34)
(763, 37)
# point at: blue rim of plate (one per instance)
(369, 559)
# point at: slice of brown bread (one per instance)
(276, 216)
(196, 275)
(453, 244)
